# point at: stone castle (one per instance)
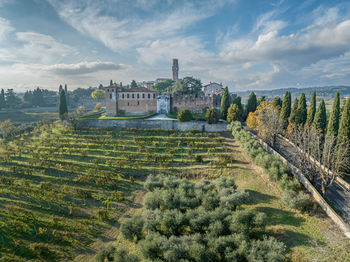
(142, 100)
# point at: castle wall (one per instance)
(195, 104)
(137, 107)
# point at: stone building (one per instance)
(175, 69)
(213, 88)
(130, 101)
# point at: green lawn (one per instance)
(103, 116)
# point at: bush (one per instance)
(132, 228)
(115, 254)
(98, 107)
(296, 200)
(268, 249)
(184, 116)
(212, 116)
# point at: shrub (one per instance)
(268, 249)
(43, 251)
(212, 116)
(98, 107)
(132, 228)
(199, 159)
(296, 200)
(184, 116)
(115, 254)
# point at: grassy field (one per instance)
(27, 117)
(63, 192)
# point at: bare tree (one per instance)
(320, 160)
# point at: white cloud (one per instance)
(42, 47)
(126, 33)
(299, 49)
(82, 68)
(5, 28)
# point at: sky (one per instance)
(243, 44)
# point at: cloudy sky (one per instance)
(245, 44)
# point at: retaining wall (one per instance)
(307, 184)
(153, 124)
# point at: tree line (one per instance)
(31, 98)
(322, 142)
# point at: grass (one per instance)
(68, 190)
(103, 116)
(28, 117)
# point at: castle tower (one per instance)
(175, 68)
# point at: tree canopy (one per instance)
(252, 103)
(320, 120)
(225, 103)
(98, 94)
(164, 86)
(186, 86)
(286, 108)
(312, 110)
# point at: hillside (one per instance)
(325, 92)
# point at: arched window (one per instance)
(133, 96)
(128, 95)
(143, 95)
(149, 96)
(110, 96)
(138, 95)
(154, 96)
(123, 96)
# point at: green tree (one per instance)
(111, 83)
(186, 86)
(164, 85)
(277, 102)
(184, 116)
(225, 103)
(333, 123)
(233, 113)
(344, 126)
(260, 100)
(293, 112)
(252, 103)
(212, 115)
(238, 101)
(37, 97)
(286, 108)
(12, 100)
(320, 120)
(63, 110)
(312, 110)
(133, 84)
(2, 99)
(301, 113)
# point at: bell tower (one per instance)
(175, 68)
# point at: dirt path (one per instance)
(111, 235)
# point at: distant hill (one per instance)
(325, 92)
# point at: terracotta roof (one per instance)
(135, 89)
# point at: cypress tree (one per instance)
(293, 111)
(63, 110)
(320, 120)
(301, 113)
(277, 102)
(286, 108)
(312, 110)
(2, 99)
(344, 126)
(66, 91)
(238, 101)
(225, 103)
(333, 124)
(252, 103)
